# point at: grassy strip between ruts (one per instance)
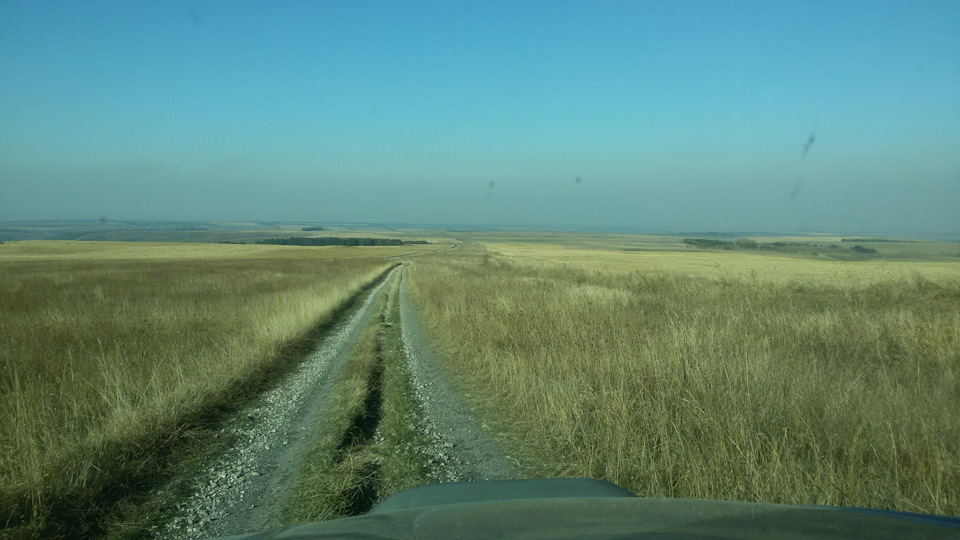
(839, 390)
(367, 447)
(108, 364)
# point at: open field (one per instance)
(106, 349)
(819, 246)
(160, 251)
(712, 374)
(196, 232)
(667, 368)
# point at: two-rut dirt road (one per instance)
(246, 488)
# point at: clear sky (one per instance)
(707, 115)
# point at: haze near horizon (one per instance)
(808, 116)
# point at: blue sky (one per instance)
(686, 115)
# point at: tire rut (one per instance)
(361, 432)
(460, 450)
(246, 488)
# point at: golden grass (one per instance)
(105, 348)
(712, 375)
(719, 265)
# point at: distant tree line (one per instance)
(868, 240)
(312, 229)
(722, 244)
(335, 241)
(750, 244)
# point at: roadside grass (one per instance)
(711, 375)
(367, 447)
(108, 352)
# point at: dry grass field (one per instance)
(105, 349)
(666, 368)
(712, 374)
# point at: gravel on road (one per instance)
(246, 488)
(460, 451)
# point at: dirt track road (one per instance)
(245, 489)
(461, 451)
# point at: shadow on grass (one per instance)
(124, 495)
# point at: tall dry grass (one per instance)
(723, 386)
(102, 357)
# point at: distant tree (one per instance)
(705, 242)
(331, 241)
(867, 240)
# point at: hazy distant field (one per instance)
(104, 347)
(713, 374)
(198, 232)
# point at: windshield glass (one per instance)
(697, 249)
